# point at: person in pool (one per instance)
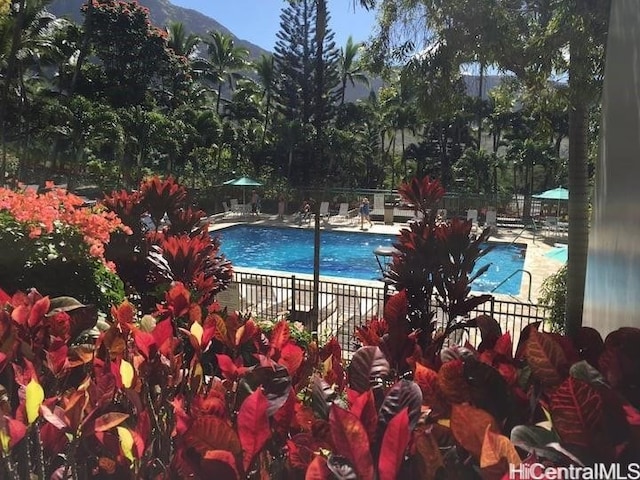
(364, 213)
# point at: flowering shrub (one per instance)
(48, 237)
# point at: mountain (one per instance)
(161, 13)
(472, 83)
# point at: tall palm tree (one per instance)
(350, 69)
(266, 78)
(225, 59)
(182, 44)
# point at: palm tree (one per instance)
(350, 70)
(266, 78)
(224, 61)
(182, 44)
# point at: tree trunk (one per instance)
(578, 177)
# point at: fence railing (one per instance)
(344, 305)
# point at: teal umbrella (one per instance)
(556, 194)
(243, 182)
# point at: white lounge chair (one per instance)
(491, 219)
(343, 214)
(234, 206)
(264, 298)
(324, 210)
(472, 214)
(378, 204)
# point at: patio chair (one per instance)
(324, 210)
(472, 214)
(227, 209)
(264, 298)
(491, 219)
(343, 214)
(236, 207)
(378, 205)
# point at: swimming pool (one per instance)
(346, 254)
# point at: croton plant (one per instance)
(190, 390)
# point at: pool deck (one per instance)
(535, 262)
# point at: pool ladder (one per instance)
(511, 275)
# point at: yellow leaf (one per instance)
(445, 422)
(496, 447)
(4, 440)
(126, 373)
(34, 397)
(126, 442)
(197, 331)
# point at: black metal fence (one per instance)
(344, 305)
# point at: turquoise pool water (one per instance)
(346, 254)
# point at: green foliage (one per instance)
(553, 294)
(57, 262)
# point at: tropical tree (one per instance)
(179, 41)
(351, 71)
(531, 40)
(265, 71)
(224, 62)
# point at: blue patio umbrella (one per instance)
(243, 182)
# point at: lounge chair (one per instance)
(491, 219)
(472, 214)
(263, 298)
(236, 207)
(378, 205)
(324, 210)
(343, 214)
(227, 209)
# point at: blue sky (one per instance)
(258, 21)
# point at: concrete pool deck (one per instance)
(536, 262)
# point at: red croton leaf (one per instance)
(291, 357)
(395, 309)
(394, 443)
(363, 406)
(318, 470)
(229, 369)
(497, 454)
(211, 433)
(15, 429)
(524, 336)
(4, 297)
(222, 456)
(279, 336)
(504, 345)
(351, 441)
(576, 411)
(253, 425)
(302, 448)
(427, 380)
(451, 382)
(144, 341)
(546, 358)
(469, 424)
(109, 420)
(427, 454)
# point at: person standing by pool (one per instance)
(281, 206)
(364, 213)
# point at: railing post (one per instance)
(293, 293)
(493, 302)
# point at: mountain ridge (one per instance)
(161, 12)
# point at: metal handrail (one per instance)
(511, 275)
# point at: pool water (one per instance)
(347, 254)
